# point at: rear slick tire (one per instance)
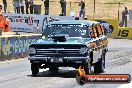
(100, 65)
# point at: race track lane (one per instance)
(17, 74)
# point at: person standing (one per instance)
(63, 7)
(27, 6)
(14, 2)
(5, 5)
(1, 9)
(6, 24)
(17, 6)
(124, 17)
(21, 3)
(46, 5)
(82, 10)
(1, 20)
(31, 6)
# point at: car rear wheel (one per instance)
(34, 69)
(100, 65)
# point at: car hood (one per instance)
(76, 41)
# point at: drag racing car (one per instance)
(70, 44)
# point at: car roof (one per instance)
(84, 22)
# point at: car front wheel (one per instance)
(87, 67)
(34, 69)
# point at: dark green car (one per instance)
(70, 44)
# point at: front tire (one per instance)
(87, 67)
(34, 69)
(100, 65)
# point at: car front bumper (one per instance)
(58, 59)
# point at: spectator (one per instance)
(76, 18)
(5, 5)
(51, 19)
(7, 24)
(2, 20)
(82, 10)
(27, 6)
(46, 5)
(85, 18)
(17, 6)
(124, 17)
(1, 9)
(31, 6)
(14, 2)
(63, 7)
(21, 3)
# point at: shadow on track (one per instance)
(60, 73)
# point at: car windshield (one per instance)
(68, 29)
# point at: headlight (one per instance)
(83, 50)
(32, 50)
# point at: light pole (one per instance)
(119, 10)
(94, 8)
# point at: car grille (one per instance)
(58, 51)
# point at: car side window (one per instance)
(97, 31)
(100, 30)
(92, 32)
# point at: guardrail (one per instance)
(16, 46)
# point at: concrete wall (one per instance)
(16, 46)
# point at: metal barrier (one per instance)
(16, 46)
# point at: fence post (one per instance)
(94, 8)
